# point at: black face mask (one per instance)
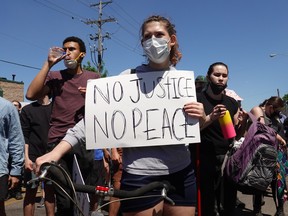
(275, 115)
(217, 89)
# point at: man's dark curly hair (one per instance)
(76, 40)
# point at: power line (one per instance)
(22, 65)
(84, 3)
(127, 46)
(55, 6)
(101, 5)
(21, 40)
(125, 19)
(60, 10)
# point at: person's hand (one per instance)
(106, 169)
(218, 111)
(107, 155)
(195, 110)
(243, 116)
(115, 156)
(28, 164)
(82, 90)
(40, 160)
(13, 181)
(53, 57)
(281, 141)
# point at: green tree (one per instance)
(285, 98)
(89, 67)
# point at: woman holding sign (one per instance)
(142, 165)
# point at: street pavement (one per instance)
(268, 209)
(14, 207)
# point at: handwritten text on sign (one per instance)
(143, 109)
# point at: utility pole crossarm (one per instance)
(100, 22)
(101, 3)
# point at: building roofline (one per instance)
(3, 79)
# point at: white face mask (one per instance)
(72, 63)
(157, 49)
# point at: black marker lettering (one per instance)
(105, 97)
(166, 124)
(136, 122)
(147, 125)
(117, 91)
(123, 124)
(138, 90)
(104, 130)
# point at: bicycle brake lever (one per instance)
(33, 180)
(40, 177)
(164, 195)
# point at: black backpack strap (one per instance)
(133, 71)
(274, 190)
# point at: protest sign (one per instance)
(82, 198)
(142, 109)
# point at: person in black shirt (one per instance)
(213, 146)
(34, 119)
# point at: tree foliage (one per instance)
(285, 98)
(89, 67)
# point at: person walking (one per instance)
(12, 145)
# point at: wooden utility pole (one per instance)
(98, 36)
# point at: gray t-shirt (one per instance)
(156, 160)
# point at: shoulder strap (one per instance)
(252, 117)
(133, 71)
(274, 191)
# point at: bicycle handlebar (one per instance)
(51, 168)
(144, 189)
(121, 193)
(61, 178)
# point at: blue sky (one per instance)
(240, 33)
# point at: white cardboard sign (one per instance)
(143, 109)
(82, 198)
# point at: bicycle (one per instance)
(51, 171)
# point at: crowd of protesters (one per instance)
(57, 126)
